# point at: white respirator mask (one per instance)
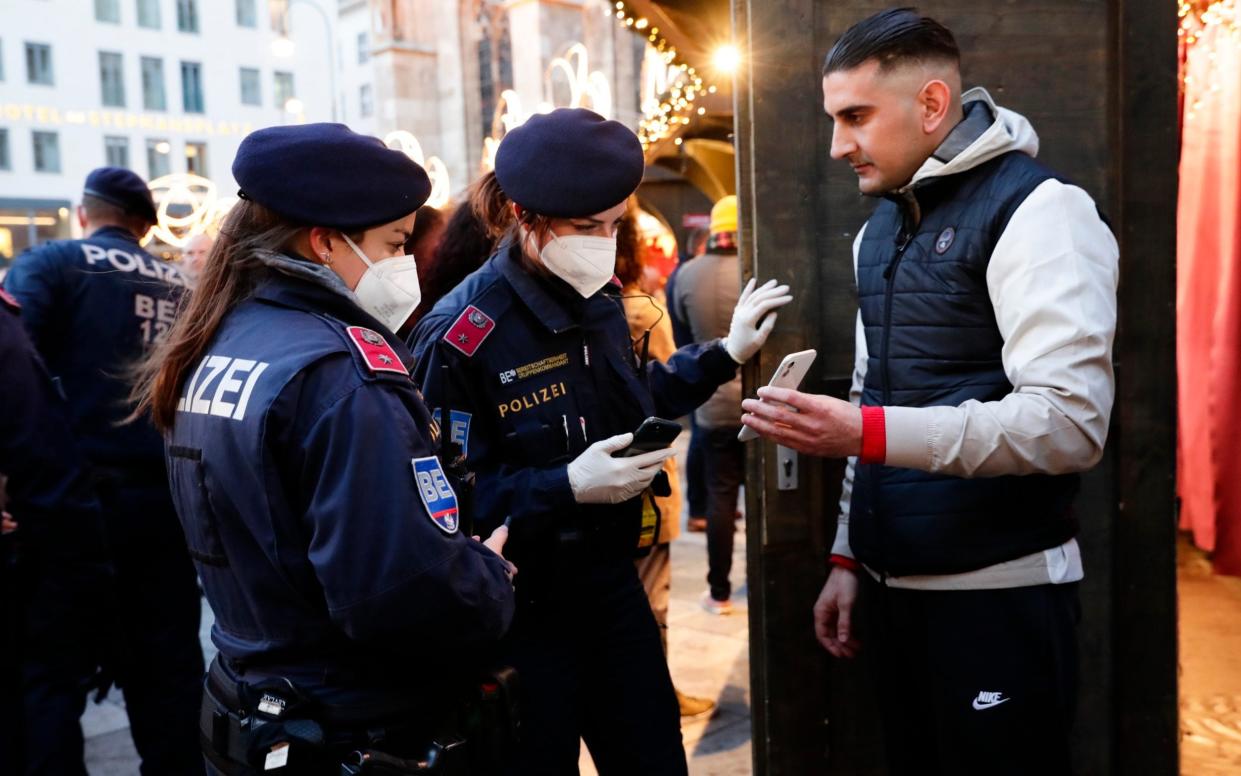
(586, 263)
(388, 289)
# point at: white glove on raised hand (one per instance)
(745, 336)
(598, 478)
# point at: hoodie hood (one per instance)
(1007, 131)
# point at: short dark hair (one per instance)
(101, 211)
(893, 37)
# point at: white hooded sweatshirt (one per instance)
(1052, 280)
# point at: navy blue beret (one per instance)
(328, 175)
(569, 163)
(122, 188)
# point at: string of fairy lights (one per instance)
(673, 105)
(1199, 20)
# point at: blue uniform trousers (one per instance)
(590, 645)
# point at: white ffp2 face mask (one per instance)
(388, 289)
(586, 263)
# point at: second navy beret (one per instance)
(569, 163)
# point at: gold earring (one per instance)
(327, 258)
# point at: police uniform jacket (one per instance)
(92, 306)
(532, 374)
(59, 544)
(325, 533)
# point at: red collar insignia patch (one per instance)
(9, 300)
(375, 350)
(469, 330)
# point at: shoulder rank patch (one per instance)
(437, 495)
(469, 330)
(9, 300)
(375, 350)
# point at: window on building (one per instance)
(247, 16)
(366, 101)
(148, 14)
(108, 11)
(495, 62)
(278, 10)
(159, 161)
(5, 164)
(192, 87)
(116, 151)
(39, 63)
(284, 88)
(187, 15)
(196, 158)
(46, 151)
(153, 84)
(251, 91)
(364, 48)
(111, 79)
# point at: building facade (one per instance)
(158, 86)
(168, 87)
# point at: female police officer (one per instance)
(301, 461)
(531, 362)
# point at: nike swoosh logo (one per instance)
(980, 706)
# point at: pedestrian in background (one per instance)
(194, 254)
(703, 297)
(466, 242)
(93, 307)
(650, 328)
(682, 335)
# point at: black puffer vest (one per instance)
(932, 340)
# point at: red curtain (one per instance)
(1208, 300)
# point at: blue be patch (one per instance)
(437, 495)
(458, 429)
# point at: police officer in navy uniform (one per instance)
(349, 603)
(54, 569)
(530, 362)
(93, 307)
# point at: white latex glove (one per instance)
(598, 478)
(745, 336)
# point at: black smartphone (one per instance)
(653, 434)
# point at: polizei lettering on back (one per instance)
(221, 386)
(124, 261)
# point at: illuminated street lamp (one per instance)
(726, 58)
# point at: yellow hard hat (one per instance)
(724, 215)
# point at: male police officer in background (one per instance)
(92, 306)
(987, 291)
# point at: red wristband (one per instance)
(874, 436)
(845, 562)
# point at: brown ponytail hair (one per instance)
(493, 207)
(230, 274)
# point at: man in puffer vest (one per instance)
(982, 386)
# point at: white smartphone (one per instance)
(788, 375)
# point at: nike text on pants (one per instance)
(974, 681)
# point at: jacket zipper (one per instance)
(903, 239)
